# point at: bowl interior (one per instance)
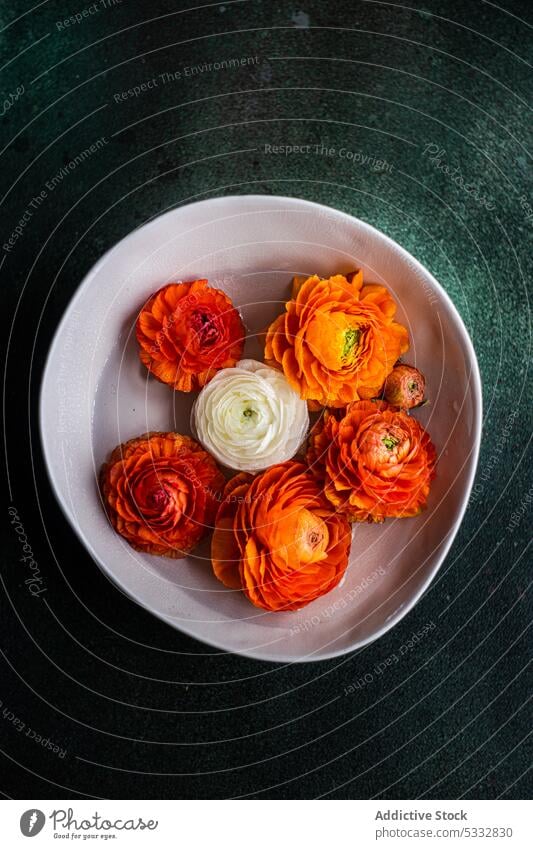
(96, 394)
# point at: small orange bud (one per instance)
(405, 387)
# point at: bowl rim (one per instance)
(475, 388)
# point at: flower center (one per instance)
(158, 498)
(311, 537)
(351, 339)
(206, 327)
(296, 536)
(390, 441)
(383, 444)
(332, 338)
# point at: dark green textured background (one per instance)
(141, 710)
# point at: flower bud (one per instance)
(404, 387)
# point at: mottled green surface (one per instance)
(84, 666)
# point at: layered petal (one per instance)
(161, 492)
(187, 332)
(249, 417)
(338, 340)
(375, 461)
(277, 538)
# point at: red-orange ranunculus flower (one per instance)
(277, 539)
(376, 461)
(187, 332)
(337, 340)
(160, 492)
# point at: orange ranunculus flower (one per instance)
(187, 332)
(376, 461)
(277, 539)
(336, 341)
(160, 492)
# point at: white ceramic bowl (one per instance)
(95, 394)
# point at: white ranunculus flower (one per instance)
(248, 417)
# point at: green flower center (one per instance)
(390, 442)
(351, 339)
